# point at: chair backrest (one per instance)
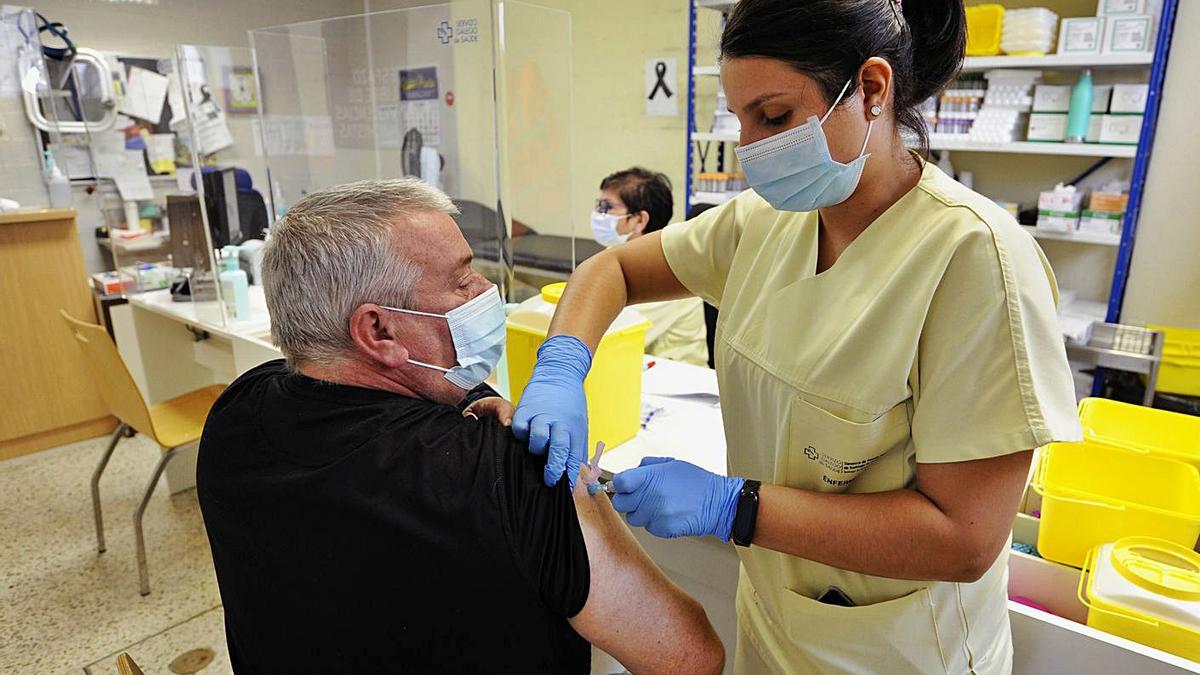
(113, 381)
(127, 666)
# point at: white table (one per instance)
(171, 348)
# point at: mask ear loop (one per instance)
(836, 101)
(863, 151)
(428, 365)
(412, 311)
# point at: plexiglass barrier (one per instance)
(472, 97)
(220, 220)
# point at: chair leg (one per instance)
(112, 445)
(143, 573)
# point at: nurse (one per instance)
(887, 354)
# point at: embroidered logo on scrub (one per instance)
(847, 471)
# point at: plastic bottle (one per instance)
(1079, 115)
(57, 184)
(235, 287)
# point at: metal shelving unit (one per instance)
(1037, 148)
(1139, 154)
(1057, 61)
(1077, 237)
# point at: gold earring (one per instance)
(876, 111)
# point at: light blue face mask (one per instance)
(794, 171)
(477, 328)
(604, 229)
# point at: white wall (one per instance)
(156, 29)
(1164, 283)
(142, 30)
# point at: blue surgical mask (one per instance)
(478, 330)
(604, 229)
(793, 170)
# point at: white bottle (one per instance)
(58, 185)
(235, 291)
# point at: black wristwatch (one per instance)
(746, 516)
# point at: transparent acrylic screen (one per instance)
(221, 102)
(456, 94)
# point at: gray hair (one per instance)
(333, 251)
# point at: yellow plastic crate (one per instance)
(1154, 599)
(1180, 371)
(985, 23)
(1094, 493)
(1142, 429)
(613, 385)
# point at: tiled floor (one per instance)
(63, 608)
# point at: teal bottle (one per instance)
(1080, 112)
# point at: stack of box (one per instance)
(1119, 27)
(1121, 121)
(1105, 213)
(1058, 209)
(112, 283)
(1049, 119)
(1005, 106)
(958, 106)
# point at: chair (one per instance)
(173, 424)
(127, 666)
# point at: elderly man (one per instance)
(360, 522)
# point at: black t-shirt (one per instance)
(356, 530)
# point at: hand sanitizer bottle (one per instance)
(235, 287)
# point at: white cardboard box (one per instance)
(1120, 7)
(1047, 127)
(1121, 129)
(1081, 35)
(1101, 95)
(1095, 122)
(1129, 99)
(1128, 34)
(1051, 98)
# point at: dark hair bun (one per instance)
(829, 40)
(939, 40)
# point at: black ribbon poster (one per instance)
(662, 99)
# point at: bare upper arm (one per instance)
(979, 496)
(648, 276)
(633, 612)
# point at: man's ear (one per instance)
(640, 221)
(374, 336)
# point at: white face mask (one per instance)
(478, 330)
(604, 229)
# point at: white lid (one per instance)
(1110, 586)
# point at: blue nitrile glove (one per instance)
(673, 498)
(552, 414)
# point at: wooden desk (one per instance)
(48, 394)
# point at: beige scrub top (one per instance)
(677, 330)
(933, 338)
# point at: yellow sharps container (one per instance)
(614, 384)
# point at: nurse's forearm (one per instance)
(608, 281)
(899, 534)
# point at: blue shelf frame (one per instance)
(691, 107)
(1141, 163)
(1141, 166)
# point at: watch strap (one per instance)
(746, 517)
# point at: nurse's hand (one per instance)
(552, 414)
(673, 498)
